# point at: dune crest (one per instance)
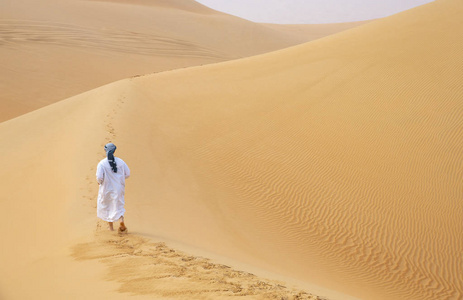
(192, 6)
(336, 161)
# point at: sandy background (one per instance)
(332, 168)
(52, 50)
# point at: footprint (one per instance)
(156, 269)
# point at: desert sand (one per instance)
(51, 50)
(332, 168)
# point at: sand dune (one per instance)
(315, 31)
(53, 247)
(51, 50)
(336, 163)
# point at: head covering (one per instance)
(110, 148)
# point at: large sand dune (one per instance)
(51, 50)
(336, 163)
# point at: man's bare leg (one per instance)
(122, 227)
(111, 226)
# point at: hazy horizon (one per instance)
(311, 11)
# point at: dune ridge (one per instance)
(50, 234)
(356, 155)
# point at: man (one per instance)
(111, 173)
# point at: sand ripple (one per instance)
(15, 32)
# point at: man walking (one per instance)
(111, 174)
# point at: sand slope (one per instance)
(51, 50)
(54, 248)
(338, 163)
(154, 269)
(315, 31)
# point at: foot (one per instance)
(111, 228)
(122, 227)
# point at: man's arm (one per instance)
(126, 171)
(99, 174)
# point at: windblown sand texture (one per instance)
(51, 50)
(174, 274)
(336, 163)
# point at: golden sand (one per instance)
(51, 50)
(336, 164)
(175, 274)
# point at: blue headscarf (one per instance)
(110, 148)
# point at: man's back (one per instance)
(105, 173)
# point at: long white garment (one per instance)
(110, 205)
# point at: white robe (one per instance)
(110, 205)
